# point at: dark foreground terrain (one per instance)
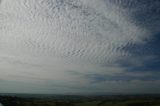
(68, 100)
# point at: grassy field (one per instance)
(117, 100)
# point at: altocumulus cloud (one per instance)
(79, 46)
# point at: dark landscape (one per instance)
(73, 100)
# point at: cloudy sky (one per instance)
(80, 46)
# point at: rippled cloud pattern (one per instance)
(79, 46)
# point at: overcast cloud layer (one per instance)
(79, 46)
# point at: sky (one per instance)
(80, 46)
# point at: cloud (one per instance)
(58, 44)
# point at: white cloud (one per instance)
(42, 40)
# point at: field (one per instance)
(72, 100)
